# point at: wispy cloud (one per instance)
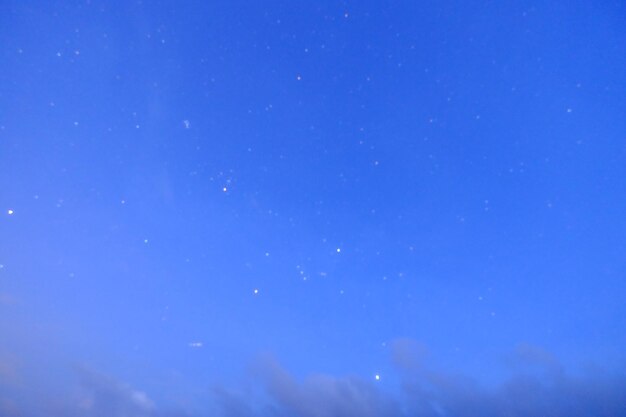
(323, 395)
(539, 387)
(104, 396)
(95, 395)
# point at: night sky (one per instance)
(312, 208)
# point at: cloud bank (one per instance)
(539, 387)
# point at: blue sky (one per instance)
(312, 208)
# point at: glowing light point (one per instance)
(224, 189)
(338, 250)
(9, 212)
(256, 291)
(377, 377)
